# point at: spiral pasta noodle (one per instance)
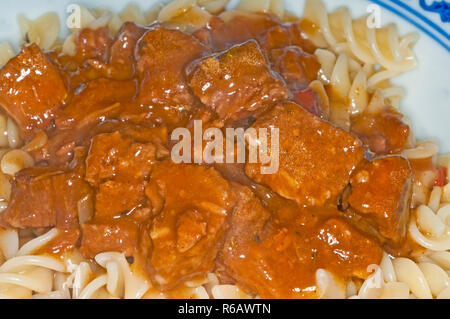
(22, 274)
(12, 159)
(274, 7)
(118, 281)
(43, 31)
(431, 227)
(357, 59)
(185, 15)
(352, 82)
(228, 292)
(404, 278)
(6, 53)
(328, 287)
(368, 45)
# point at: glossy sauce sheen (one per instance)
(104, 177)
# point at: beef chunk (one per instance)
(281, 36)
(236, 83)
(187, 232)
(162, 55)
(44, 197)
(383, 132)
(115, 199)
(248, 218)
(276, 254)
(122, 62)
(119, 168)
(233, 28)
(246, 225)
(310, 101)
(343, 247)
(101, 236)
(381, 191)
(112, 156)
(31, 90)
(99, 101)
(142, 134)
(101, 56)
(296, 67)
(315, 158)
(96, 100)
(93, 44)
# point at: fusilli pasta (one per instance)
(23, 274)
(368, 45)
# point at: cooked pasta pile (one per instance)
(357, 63)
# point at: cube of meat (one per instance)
(247, 219)
(112, 156)
(115, 199)
(281, 36)
(44, 197)
(345, 250)
(101, 55)
(99, 236)
(383, 132)
(31, 90)
(187, 232)
(236, 83)
(95, 100)
(162, 56)
(276, 254)
(296, 67)
(234, 27)
(381, 191)
(93, 44)
(122, 62)
(315, 158)
(310, 101)
(246, 225)
(98, 101)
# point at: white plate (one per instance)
(427, 101)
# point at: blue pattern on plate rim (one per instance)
(424, 15)
(443, 8)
